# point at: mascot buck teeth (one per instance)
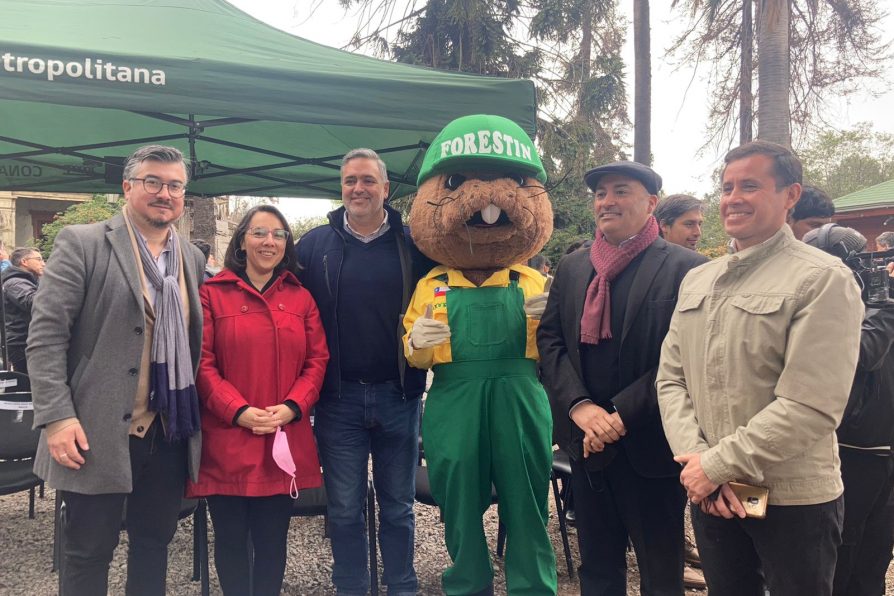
(481, 211)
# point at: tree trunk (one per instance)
(746, 96)
(204, 226)
(642, 99)
(773, 72)
(586, 48)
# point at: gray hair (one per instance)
(20, 254)
(886, 239)
(671, 207)
(364, 153)
(159, 153)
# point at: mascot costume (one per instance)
(481, 210)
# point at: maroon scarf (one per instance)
(608, 261)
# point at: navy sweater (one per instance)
(321, 254)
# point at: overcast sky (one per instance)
(678, 114)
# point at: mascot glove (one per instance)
(535, 305)
(428, 333)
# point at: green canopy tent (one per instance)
(258, 111)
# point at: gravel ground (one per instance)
(25, 565)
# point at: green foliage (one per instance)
(303, 225)
(714, 240)
(572, 51)
(567, 152)
(96, 209)
(459, 35)
(584, 40)
(467, 36)
(842, 162)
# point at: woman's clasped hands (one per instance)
(265, 421)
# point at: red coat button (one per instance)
(282, 307)
(244, 309)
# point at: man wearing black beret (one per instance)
(599, 341)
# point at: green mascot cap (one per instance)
(484, 142)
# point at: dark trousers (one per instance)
(93, 522)
(616, 504)
(868, 534)
(795, 546)
(17, 358)
(264, 521)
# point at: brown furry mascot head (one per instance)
(481, 204)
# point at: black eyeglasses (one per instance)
(260, 233)
(153, 186)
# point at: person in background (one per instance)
(865, 441)
(4, 258)
(813, 210)
(263, 360)
(19, 286)
(680, 220)
(206, 251)
(885, 241)
(541, 263)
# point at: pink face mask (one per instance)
(282, 455)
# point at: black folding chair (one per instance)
(18, 441)
(562, 471)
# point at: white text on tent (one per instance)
(88, 69)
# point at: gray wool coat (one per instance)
(84, 350)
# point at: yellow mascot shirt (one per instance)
(432, 291)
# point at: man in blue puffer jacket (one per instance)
(361, 269)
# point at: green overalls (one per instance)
(487, 421)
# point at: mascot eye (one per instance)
(454, 181)
(517, 178)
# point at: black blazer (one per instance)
(650, 305)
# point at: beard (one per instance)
(159, 223)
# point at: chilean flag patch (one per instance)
(441, 291)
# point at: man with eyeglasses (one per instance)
(114, 341)
(361, 269)
(20, 281)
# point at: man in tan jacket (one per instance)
(755, 373)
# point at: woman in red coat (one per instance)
(263, 359)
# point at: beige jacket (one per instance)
(757, 366)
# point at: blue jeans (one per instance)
(370, 418)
